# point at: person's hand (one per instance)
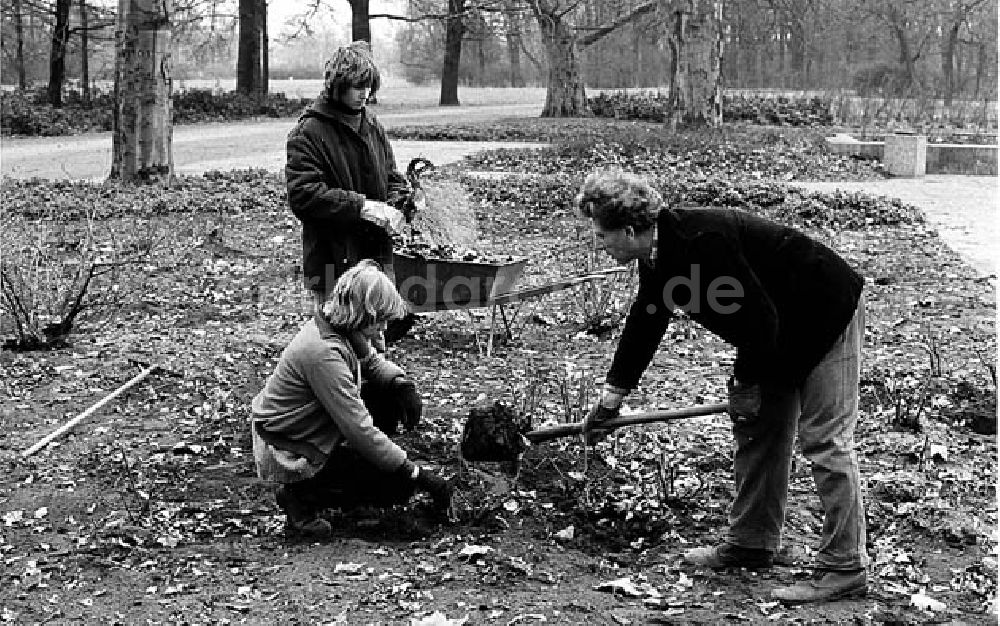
(383, 216)
(606, 409)
(409, 401)
(378, 343)
(439, 489)
(744, 400)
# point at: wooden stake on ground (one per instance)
(82, 416)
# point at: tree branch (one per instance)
(601, 32)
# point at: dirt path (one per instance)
(963, 208)
(202, 147)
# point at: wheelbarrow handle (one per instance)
(567, 430)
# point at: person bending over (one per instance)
(795, 312)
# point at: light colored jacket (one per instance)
(312, 402)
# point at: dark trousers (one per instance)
(349, 480)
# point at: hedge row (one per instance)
(29, 114)
(780, 110)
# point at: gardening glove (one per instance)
(383, 216)
(439, 489)
(607, 408)
(409, 401)
(744, 401)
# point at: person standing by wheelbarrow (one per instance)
(795, 311)
(341, 176)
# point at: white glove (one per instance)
(383, 215)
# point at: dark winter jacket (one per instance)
(798, 295)
(330, 171)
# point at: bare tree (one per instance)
(360, 21)
(84, 58)
(515, 42)
(250, 77)
(694, 35)
(957, 18)
(912, 24)
(454, 32)
(142, 127)
(22, 81)
(57, 55)
(795, 18)
(565, 93)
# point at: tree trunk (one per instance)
(514, 37)
(694, 34)
(143, 131)
(948, 55)
(981, 65)
(898, 24)
(22, 79)
(360, 23)
(454, 32)
(797, 48)
(84, 53)
(265, 70)
(57, 56)
(248, 63)
(361, 30)
(565, 95)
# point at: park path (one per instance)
(199, 148)
(962, 208)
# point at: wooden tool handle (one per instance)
(82, 416)
(566, 430)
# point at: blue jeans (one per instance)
(824, 410)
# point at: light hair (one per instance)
(352, 64)
(616, 199)
(362, 296)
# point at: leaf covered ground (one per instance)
(151, 511)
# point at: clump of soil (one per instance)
(494, 433)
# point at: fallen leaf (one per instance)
(926, 602)
(623, 586)
(474, 552)
(348, 568)
(438, 618)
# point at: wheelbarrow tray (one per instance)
(430, 284)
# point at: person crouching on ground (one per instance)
(795, 312)
(321, 426)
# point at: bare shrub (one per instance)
(55, 273)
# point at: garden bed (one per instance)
(151, 511)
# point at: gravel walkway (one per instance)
(963, 208)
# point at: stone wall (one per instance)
(942, 158)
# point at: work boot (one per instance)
(833, 585)
(727, 555)
(300, 518)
